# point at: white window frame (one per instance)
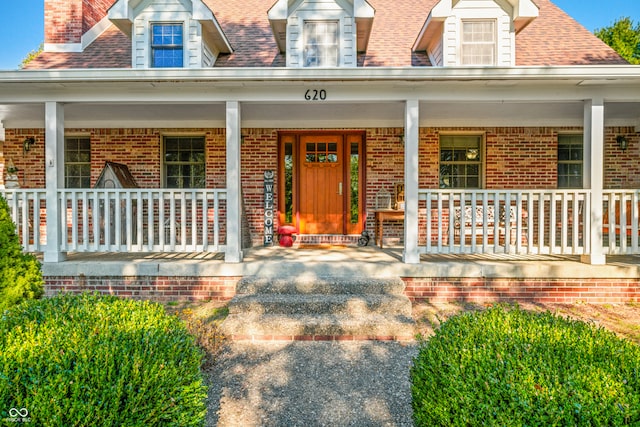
(572, 141)
(181, 162)
(78, 163)
(322, 48)
(153, 47)
(470, 47)
(472, 157)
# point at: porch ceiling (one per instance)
(317, 115)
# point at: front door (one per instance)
(321, 187)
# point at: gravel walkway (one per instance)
(363, 383)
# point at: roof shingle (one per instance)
(553, 39)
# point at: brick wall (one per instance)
(440, 289)
(30, 165)
(385, 168)
(259, 153)
(488, 290)
(155, 288)
(63, 21)
(67, 20)
(94, 11)
(621, 168)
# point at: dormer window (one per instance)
(167, 48)
(321, 47)
(478, 42)
(327, 33)
(187, 35)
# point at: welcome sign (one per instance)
(268, 207)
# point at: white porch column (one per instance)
(594, 175)
(411, 254)
(54, 174)
(233, 252)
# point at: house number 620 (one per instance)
(315, 95)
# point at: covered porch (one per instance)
(399, 112)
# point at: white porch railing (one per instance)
(451, 221)
(28, 211)
(504, 221)
(621, 222)
(124, 220)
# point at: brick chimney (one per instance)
(65, 21)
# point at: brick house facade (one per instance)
(263, 83)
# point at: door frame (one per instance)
(349, 137)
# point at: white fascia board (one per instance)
(433, 25)
(279, 11)
(588, 74)
(121, 15)
(362, 9)
(207, 19)
(524, 9)
(95, 32)
(62, 47)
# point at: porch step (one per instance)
(324, 308)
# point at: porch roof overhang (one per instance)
(520, 96)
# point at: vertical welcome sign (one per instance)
(268, 207)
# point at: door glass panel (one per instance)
(355, 182)
(288, 182)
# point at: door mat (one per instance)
(324, 246)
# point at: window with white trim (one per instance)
(461, 161)
(77, 162)
(184, 162)
(478, 42)
(570, 161)
(321, 47)
(167, 45)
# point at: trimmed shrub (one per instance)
(506, 366)
(20, 275)
(89, 360)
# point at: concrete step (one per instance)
(317, 327)
(320, 285)
(343, 304)
(319, 308)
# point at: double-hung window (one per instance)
(478, 45)
(321, 47)
(184, 162)
(570, 161)
(77, 162)
(460, 161)
(167, 46)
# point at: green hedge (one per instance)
(87, 360)
(20, 275)
(506, 366)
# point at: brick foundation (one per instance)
(478, 290)
(489, 290)
(161, 289)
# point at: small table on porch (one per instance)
(385, 214)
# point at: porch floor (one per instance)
(367, 261)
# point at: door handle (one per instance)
(340, 189)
